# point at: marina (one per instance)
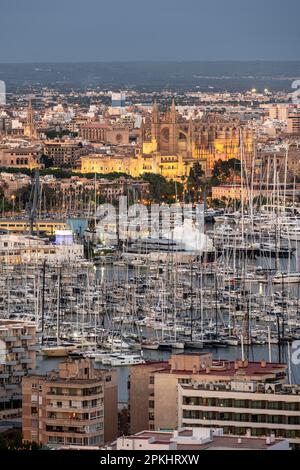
(114, 307)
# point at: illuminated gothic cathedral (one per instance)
(175, 143)
(171, 144)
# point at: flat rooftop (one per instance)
(230, 368)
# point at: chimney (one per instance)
(246, 363)
(263, 364)
(194, 370)
(207, 370)
(236, 365)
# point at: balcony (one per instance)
(238, 423)
(10, 387)
(4, 375)
(10, 339)
(25, 337)
(79, 433)
(81, 397)
(79, 409)
(10, 363)
(18, 349)
(69, 421)
(19, 373)
(26, 360)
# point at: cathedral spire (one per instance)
(173, 106)
(142, 131)
(173, 112)
(154, 111)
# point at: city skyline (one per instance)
(149, 228)
(195, 31)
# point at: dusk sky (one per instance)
(117, 30)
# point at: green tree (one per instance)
(161, 189)
(196, 182)
(46, 161)
(226, 171)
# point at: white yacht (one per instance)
(118, 360)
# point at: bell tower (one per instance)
(29, 130)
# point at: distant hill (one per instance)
(231, 76)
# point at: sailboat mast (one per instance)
(58, 307)
(191, 312)
(43, 299)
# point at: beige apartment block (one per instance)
(17, 358)
(76, 405)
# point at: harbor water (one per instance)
(253, 353)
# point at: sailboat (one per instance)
(57, 349)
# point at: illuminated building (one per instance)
(30, 128)
(98, 132)
(19, 157)
(171, 144)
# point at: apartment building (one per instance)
(147, 380)
(17, 357)
(140, 390)
(74, 406)
(239, 407)
(63, 153)
(293, 126)
(161, 385)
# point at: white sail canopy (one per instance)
(190, 237)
